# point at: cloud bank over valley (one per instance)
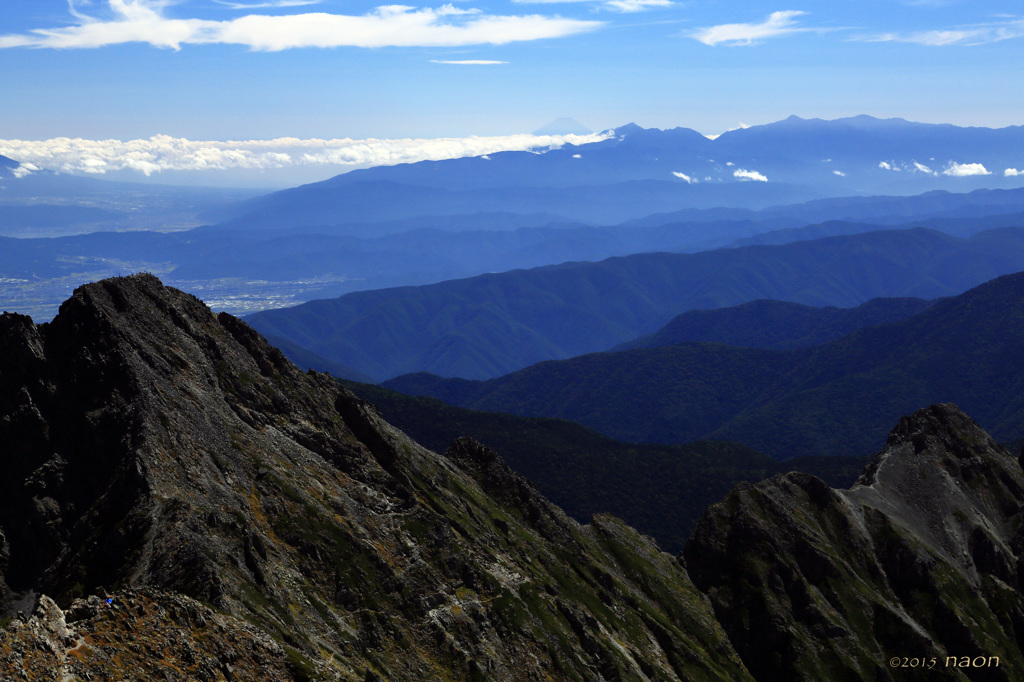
(163, 153)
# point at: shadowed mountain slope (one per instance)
(826, 400)
(661, 490)
(490, 325)
(920, 559)
(777, 324)
(147, 443)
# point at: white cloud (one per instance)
(274, 3)
(961, 170)
(740, 126)
(165, 153)
(974, 34)
(143, 21)
(776, 25)
(466, 61)
(914, 166)
(749, 175)
(1012, 172)
(839, 173)
(617, 5)
(577, 156)
(684, 176)
(24, 169)
(636, 5)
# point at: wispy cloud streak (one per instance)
(626, 6)
(274, 4)
(630, 6)
(777, 24)
(165, 153)
(973, 34)
(467, 62)
(144, 21)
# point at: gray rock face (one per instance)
(147, 444)
(920, 559)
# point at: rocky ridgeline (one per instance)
(253, 522)
(149, 443)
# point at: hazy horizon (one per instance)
(269, 163)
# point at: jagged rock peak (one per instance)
(148, 444)
(939, 435)
(923, 554)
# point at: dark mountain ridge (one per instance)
(490, 325)
(828, 399)
(777, 325)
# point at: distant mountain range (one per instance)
(824, 400)
(429, 222)
(636, 171)
(493, 324)
(300, 264)
(345, 199)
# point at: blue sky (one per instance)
(260, 69)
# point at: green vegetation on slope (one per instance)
(659, 489)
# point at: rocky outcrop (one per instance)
(173, 458)
(921, 559)
(139, 635)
